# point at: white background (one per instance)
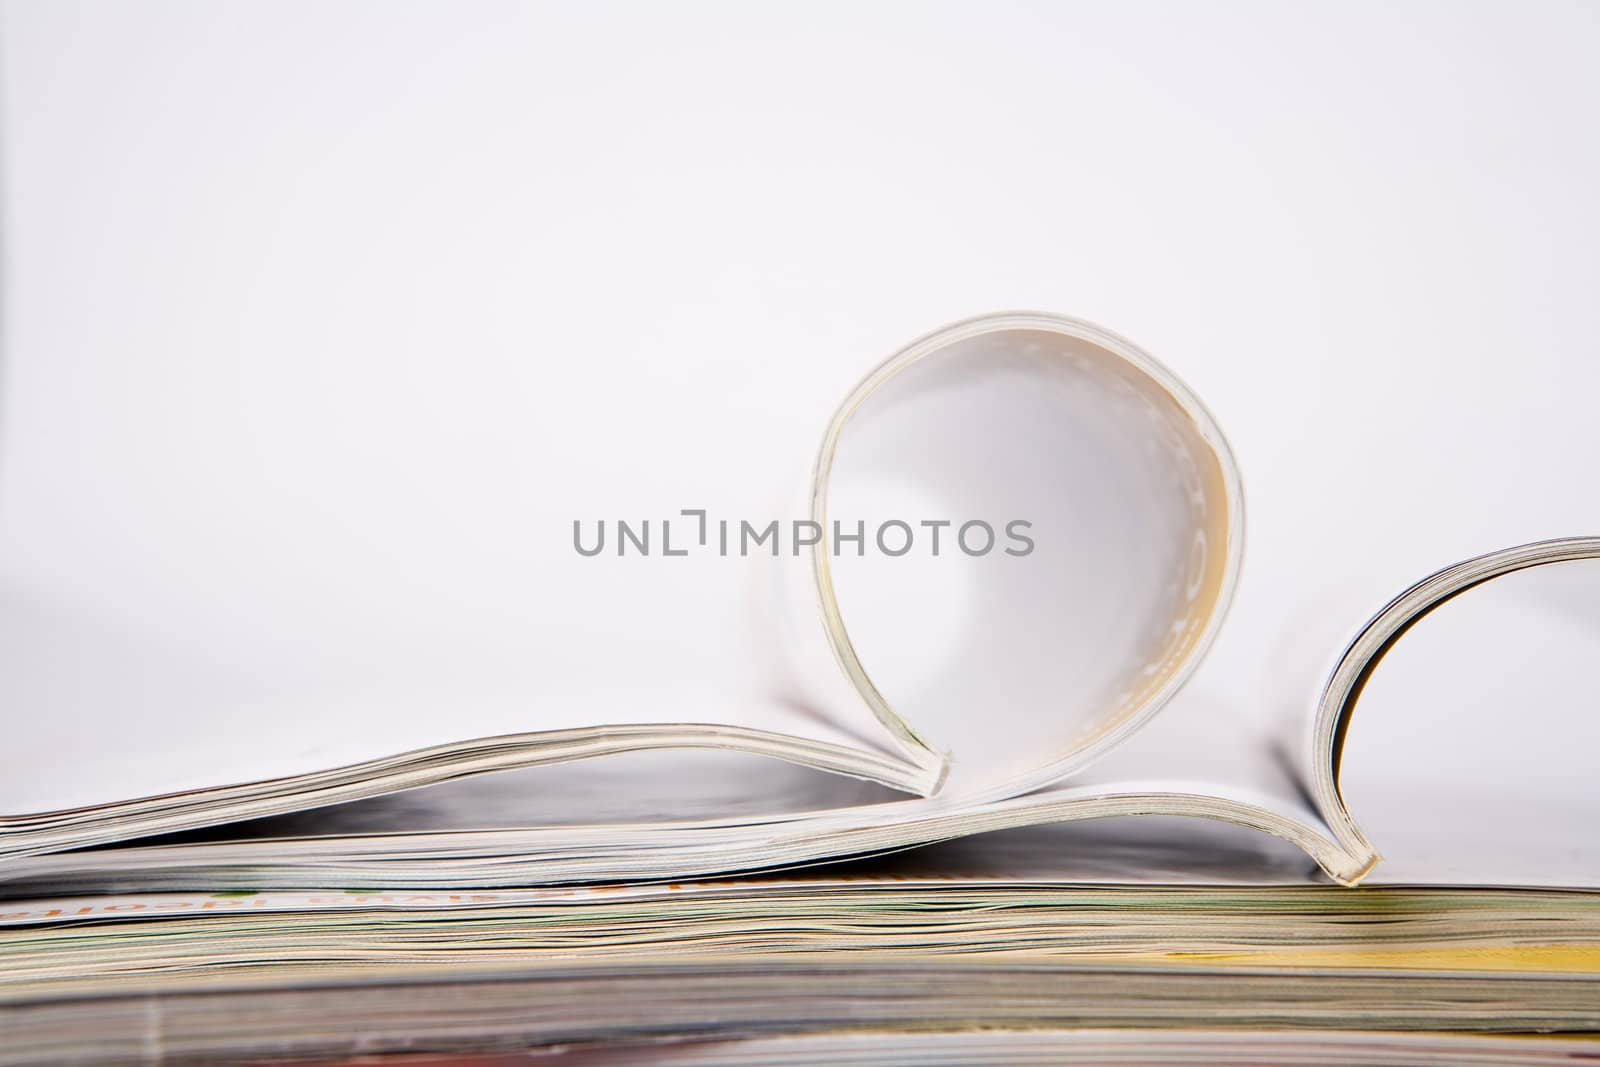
(1364, 233)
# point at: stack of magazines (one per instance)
(874, 774)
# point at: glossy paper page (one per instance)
(1091, 523)
(1470, 753)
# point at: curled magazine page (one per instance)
(1447, 729)
(1442, 733)
(1092, 526)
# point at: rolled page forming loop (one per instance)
(1032, 531)
(1364, 655)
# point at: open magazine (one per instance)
(1019, 538)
